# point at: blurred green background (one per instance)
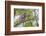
(28, 22)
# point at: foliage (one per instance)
(28, 19)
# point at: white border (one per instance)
(25, 28)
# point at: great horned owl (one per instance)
(22, 17)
